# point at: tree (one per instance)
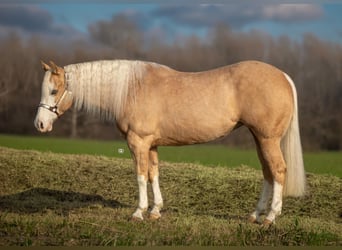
(120, 34)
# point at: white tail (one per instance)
(295, 181)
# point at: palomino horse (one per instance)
(154, 105)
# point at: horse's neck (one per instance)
(102, 87)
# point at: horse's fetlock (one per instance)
(138, 214)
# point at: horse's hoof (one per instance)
(136, 219)
(267, 223)
(252, 219)
(154, 216)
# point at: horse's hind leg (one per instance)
(153, 175)
(273, 159)
(266, 189)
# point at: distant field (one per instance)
(49, 199)
(212, 155)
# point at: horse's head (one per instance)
(55, 99)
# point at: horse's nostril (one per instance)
(41, 125)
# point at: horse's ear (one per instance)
(45, 66)
(55, 68)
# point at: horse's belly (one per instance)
(180, 132)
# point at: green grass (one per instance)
(86, 200)
(212, 155)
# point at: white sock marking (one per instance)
(265, 196)
(158, 200)
(263, 201)
(277, 201)
(143, 201)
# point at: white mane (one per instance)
(101, 87)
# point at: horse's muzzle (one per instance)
(42, 126)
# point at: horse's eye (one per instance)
(54, 92)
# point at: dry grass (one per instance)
(56, 199)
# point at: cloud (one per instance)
(236, 14)
(28, 19)
(292, 12)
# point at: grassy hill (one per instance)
(58, 199)
(203, 154)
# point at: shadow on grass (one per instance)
(38, 200)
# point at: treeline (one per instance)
(315, 66)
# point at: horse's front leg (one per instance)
(153, 174)
(140, 152)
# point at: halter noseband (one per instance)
(50, 108)
(53, 109)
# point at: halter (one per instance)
(54, 109)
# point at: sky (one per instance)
(71, 21)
